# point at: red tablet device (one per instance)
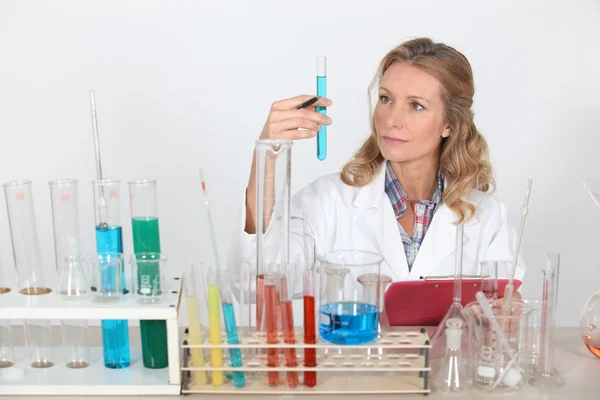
(426, 301)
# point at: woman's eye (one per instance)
(384, 99)
(417, 106)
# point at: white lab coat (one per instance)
(342, 217)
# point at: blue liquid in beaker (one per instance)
(348, 322)
(232, 338)
(115, 333)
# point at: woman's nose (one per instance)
(394, 119)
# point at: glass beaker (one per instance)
(273, 171)
(24, 236)
(105, 271)
(109, 240)
(146, 239)
(38, 335)
(492, 368)
(348, 314)
(7, 351)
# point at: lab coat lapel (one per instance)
(439, 244)
(376, 219)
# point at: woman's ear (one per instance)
(446, 131)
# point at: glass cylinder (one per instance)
(192, 308)
(24, 235)
(491, 360)
(146, 239)
(489, 279)
(65, 216)
(531, 335)
(76, 343)
(109, 240)
(348, 313)
(273, 171)
(38, 335)
(7, 351)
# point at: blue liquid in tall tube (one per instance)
(115, 333)
(232, 338)
(322, 134)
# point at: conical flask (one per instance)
(452, 375)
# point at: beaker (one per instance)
(146, 239)
(273, 171)
(109, 241)
(38, 335)
(7, 351)
(24, 236)
(492, 367)
(348, 314)
(105, 271)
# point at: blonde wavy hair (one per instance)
(464, 157)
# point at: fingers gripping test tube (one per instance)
(322, 92)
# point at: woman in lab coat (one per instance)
(423, 168)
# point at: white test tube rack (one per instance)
(95, 379)
(397, 362)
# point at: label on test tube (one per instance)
(322, 92)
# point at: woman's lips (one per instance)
(394, 140)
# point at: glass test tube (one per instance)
(489, 279)
(322, 92)
(146, 239)
(7, 352)
(38, 335)
(193, 317)
(273, 170)
(270, 323)
(214, 324)
(107, 212)
(235, 354)
(24, 235)
(286, 292)
(3, 285)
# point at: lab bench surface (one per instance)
(579, 368)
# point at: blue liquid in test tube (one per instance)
(232, 338)
(322, 92)
(115, 333)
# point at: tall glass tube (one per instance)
(38, 335)
(546, 373)
(273, 170)
(7, 352)
(235, 355)
(65, 216)
(4, 288)
(286, 292)
(107, 212)
(24, 235)
(146, 239)
(193, 318)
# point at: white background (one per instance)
(184, 84)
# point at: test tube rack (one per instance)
(95, 379)
(397, 362)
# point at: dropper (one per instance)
(509, 289)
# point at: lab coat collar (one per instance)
(438, 244)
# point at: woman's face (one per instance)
(409, 116)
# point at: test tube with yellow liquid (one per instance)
(214, 324)
(193, 316)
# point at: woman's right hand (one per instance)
(284, 120)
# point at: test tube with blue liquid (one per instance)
(322, 92)
(235, 354)
(107, 212)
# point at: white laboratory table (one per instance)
(580, 369)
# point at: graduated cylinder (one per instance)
(24, 235)
(146, 239)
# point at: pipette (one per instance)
(509, 288)
(102, 211)
(226, 295)
(512, 374)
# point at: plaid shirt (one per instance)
(424, 211)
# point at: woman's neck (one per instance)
(419, 178)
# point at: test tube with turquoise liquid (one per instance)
(322, 92)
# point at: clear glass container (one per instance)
(65, 217)
(7, 351)
(38, 335)
(349, 314)
(24, 235)
(273, 170)
(109, 240)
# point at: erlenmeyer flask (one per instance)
(452, 376)
(590, 316)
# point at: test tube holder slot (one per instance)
(95, 379)
(397, 362)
